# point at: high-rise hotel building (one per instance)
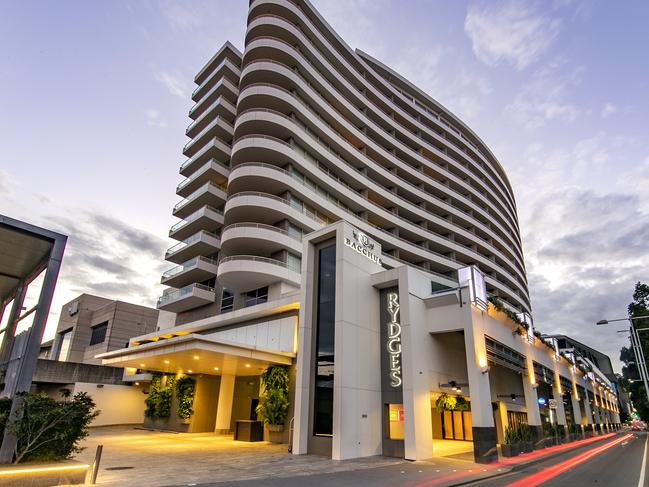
(318, 185)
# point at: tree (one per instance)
(638, 307)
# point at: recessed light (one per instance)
(216, 368)
(189, 371)
(195, 357)
(166, 361)
(142, 365)
(247, 365)
(137, 383)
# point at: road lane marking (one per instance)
(644, 464)
(549, 473)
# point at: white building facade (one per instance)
(339, 221)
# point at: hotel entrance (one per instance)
(452, 426)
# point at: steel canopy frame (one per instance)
(23, 371)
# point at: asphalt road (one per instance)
(616, 466)
(615, 462)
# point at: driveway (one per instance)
(137, 457)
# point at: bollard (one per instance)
(91, 474)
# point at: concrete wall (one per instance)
(118, 404)
(205, 403)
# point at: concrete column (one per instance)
(589, 412)
(502, 412)
(532, 402)
(560, 411)
(575, 408)
(224, 406)
(484, 430)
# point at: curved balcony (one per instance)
(186, 298)
(249, 238)
(215, 149)
(211, 171)
(209, 194)
(220, 108)
(225, 69)
(224, 88)
(216, 128)
(380, 80)
(242, 273)
(207, 218)
(194, 270)
(201, 243)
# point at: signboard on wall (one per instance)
(552, 403)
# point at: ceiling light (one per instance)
(216, 368)
(166, 361)
(189, 371)
(142, 365)
(247, 365)
(195, 357)
(137, 383)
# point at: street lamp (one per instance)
(637, 347)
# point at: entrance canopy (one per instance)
(197, 354)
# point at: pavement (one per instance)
(136, 457)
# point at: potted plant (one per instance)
(273, 401)
(525, 437)
(510, 447)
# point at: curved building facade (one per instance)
(301, 131)
(339, 223)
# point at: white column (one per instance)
(576, 410)
(560, 412)
(224, 406)
(589, 412)
(531, 395)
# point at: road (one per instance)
(610, 463)
(618, 462)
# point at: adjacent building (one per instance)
(338, 220)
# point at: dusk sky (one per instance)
(95, 95)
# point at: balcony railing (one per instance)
(188, 241)
(266, 260)
(194, 216)
(203, 189)
(190, 264)
(178, 293)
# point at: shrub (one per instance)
(511, 435)
(273, 402)
(445, 402)
(185, 388)
(158, 402)
(51, 430)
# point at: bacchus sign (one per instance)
(393, 343)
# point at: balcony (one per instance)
(242, 273)
(214, 149)
(210, 171)
(207, 218)
(194, 270)
(216, 128)
(186, 298)
(250, 238)
(222, 88)
(209, 194)
(220, 108)
(226, 68)
(201, 243)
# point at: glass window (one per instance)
(396, 419)
(98, 333)
(256, 296)
(295, 231)
(294, 262)
(227, 301)
(64, 345)
(325, 330)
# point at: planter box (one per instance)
(510, 450)
(526, 446)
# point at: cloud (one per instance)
(5, 183)
(174, 83)
(545, 96)
(510, 32)
(153, 119)
(180, 17)
(584, 252)
(608, 109)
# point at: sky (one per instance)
(93, 109)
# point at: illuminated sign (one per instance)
(542, 401)
(362, 244)
(394, 340)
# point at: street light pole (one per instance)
(637, 348)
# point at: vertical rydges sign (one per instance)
(394, 339)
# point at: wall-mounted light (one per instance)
(485, 369)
